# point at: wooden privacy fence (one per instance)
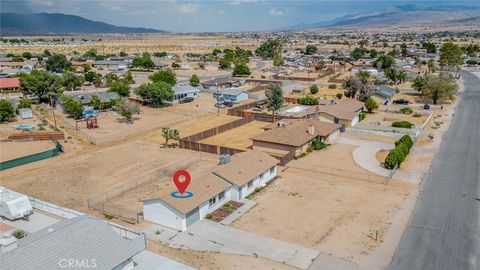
(37, 136)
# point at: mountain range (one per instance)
(56, 23)
(406, 15)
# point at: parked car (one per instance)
(186, 100)
(217, 95)
(426, 106)
(229, 103)
(220, 105)
(257, 109)
(401, 101)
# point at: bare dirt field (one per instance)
(13, 150)
(382, 118)
(114, 127)
(336, 215)
(239, 137)
(210, 260)
(70, 180)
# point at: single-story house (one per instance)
(18, 65)
(209, 193)
(86, 97)
(183, 90)
(9, 84)
(247, 171)
(383, 93)
(341, 111)
(111, 64)
(82, 242)
(294, 135)
(234, 95)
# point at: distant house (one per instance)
(111, 64)
(86, 97)
(248, 171)
(184, 90)
(383, 93)
(82, 243)
(15, 65)
(342, 111)
(234, 95)
(9, 84)
(294, 136)
(209, 193)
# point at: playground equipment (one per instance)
(92, 122)
(87, 113)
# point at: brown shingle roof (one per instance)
(203, 188)
(295, 132)
(246, 166)
(344, 108)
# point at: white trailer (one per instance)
(14, 205)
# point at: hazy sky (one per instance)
(204, 16)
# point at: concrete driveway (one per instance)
(206, 235)
(364, 154)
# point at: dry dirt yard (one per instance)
(69, 180)
(114, 127)
(385, 119)
(239, 137)
(335, 215)
(13, 150)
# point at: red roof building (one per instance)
(7, 84)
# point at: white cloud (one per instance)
(276, 12)
(188, 8)
(239, 2)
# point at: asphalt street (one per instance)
(443, 232)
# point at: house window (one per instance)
(272, 169)
(221, 195)
(250, 184)
(212, 201)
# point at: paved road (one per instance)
(443, 232)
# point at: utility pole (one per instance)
(218, 100)
(52, 103)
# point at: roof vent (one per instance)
(224, 159)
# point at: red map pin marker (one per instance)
(181, 186)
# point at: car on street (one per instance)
(186, 100)
(401, 101)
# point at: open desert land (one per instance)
(140, 43)
(16, 149)
(238, 138)
(70, 180)
(334, 214)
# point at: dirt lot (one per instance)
(382, 118)
(239, 137)
(13, 150)
(336, 215)
(207, 260)
(8, 128)
(71, 179)
(113, 127)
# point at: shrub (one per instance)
(406, 110)
(209, 216)
(25, 103)
(416, 115)
(18, 234)
(371, 104)
(339, 95)
(7, 112)
(332, 86)
(308, 100)
(406, 140)
(402, 124)
(314, 89)
(300, 155)
(317, 145)
(362, 116)
(390, 160)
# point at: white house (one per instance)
(234, 95)
(248, 171)
(183, 90)
(209, 192)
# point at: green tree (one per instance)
(320, 65)
(155, 93)
(73, 108)
(27, 55)
(430, 47)
(310, 49)
(313, 89)
(269, 49)
(17, 58)
(127, 109)
(71, 81)
(275, 99)
(25, 103)
(91, 53)
(371, 104)
(95, 102)
(167, 76)
(93, 77)
(373, 53)
(194, 80)
(277, 60)
(224, 63)
(404, 50)
(170, 134)
(451, 56)
(57, 63)
(111, 78)
(419, 83)
(122, 88)
(128, 77)
(86, 68)
(47, 53)
(7, 112)
(41, 84)
(241, 70)
(384, 61)
(441, 87)
(144, 62)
